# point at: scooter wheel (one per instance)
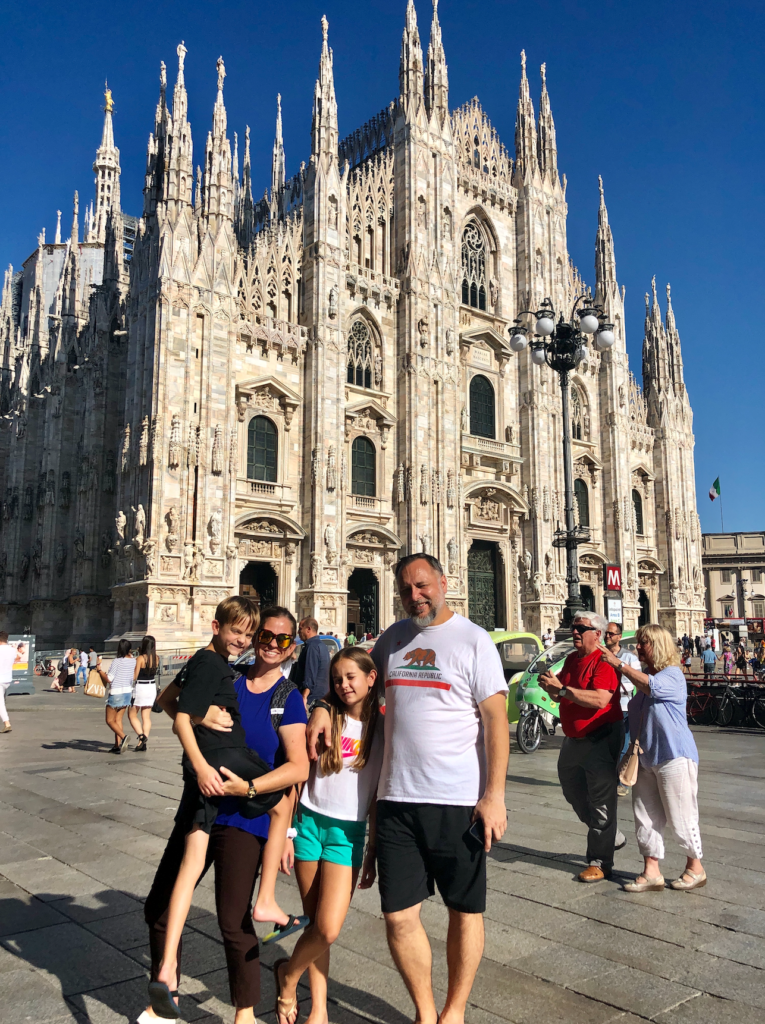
(528, 732)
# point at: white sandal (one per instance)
(653, 884)
(697, 883)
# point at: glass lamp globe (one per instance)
(604, 339)
(545, 326)
(518, 342)
(538, 356)
(588, 324)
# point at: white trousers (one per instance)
(3, 712)
(667, 792)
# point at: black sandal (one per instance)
(141, 742)
(162, 1000)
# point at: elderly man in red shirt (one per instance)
(592, 721)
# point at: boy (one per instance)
(207, 756)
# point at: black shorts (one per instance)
(422, 844)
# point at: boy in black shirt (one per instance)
(208, 680)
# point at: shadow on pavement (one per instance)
(93, 746)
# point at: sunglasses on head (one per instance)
(283, 640)
(582, 629)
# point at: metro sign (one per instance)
(613, 577)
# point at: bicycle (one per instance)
(701, 708)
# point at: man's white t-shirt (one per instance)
(626, 688)
(435, 677)
(83, 659)
(7, 658)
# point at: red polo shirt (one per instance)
(588, 672)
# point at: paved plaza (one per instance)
(82, 830)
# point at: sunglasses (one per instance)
(283, 640)
(613, 634)
(583, 629)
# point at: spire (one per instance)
(547, 151)
(244, 223)
(180, 165)
(277, 158)
(670, 321)
(662, 355)
(107, 171)
(605, 261)
(525, 128)
(324, 123)
(436, 78)
(57, 238)
(217, 184)
(154, 191)
(410, 64)
(235, 175)
(75, 235)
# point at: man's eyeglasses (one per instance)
(283, 640)
(610, 634)
(582, 629)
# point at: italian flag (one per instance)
(714, 490)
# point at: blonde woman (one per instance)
(667, 782)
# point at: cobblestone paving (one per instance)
(81, 832)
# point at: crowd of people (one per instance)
(732, 661)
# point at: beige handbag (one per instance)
(629, 764)
(94, 686)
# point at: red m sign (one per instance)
(613, 577)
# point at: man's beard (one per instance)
(427, 618)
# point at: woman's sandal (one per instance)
(141, 743)
(653, 884)
(697, 881)
(162, 1000)
(281, 931)
(284, 1007)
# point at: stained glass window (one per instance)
(261, 450)
(637, 504)
(363, 468)
(473, 267)
(360, 355)
(582, 496)
(482, 416)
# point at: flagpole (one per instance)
(722, 524)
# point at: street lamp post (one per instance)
(562, 346)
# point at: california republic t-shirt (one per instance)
(435, 677)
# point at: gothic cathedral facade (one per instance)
(282, 396)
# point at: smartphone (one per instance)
(478, 833)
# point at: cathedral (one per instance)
(281, 396)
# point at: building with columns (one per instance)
(283, 396)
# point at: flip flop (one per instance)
(161, 999)
(283, 1007)
(281, 931)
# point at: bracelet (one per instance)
(320, 704)
(292, 833)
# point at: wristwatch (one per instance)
(320, 704)
(252, 791)
(561, 693)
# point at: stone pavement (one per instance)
(81, 832)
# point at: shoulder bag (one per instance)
(629, 764)
(94, 686)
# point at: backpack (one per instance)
(277, 702)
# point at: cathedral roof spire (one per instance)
(324, 123)
(217, 184)
(525, 127)
(75, 235)
(605, 260)
(107, 171)
(436, 77)
(662, 355)
(547, 150)
(57, 238)
(410, 70)
(277, 157)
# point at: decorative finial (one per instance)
(600, 185)
(523, 62)
(543, 72)
(324, 27)
(653, 290)
(58, 227)
(162, 76)
(41, 238)
(221, 72)
(109, 105)
(435, 8)
(181, 51)
(76, 203)
(669, 295)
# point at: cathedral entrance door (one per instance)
(259, 581)
(482, 584)
(364, 601)
(645, 609)
(588, 598)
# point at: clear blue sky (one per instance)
(665, 100)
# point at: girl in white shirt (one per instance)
(329, 855)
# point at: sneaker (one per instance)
(620, 841)
(622, 790)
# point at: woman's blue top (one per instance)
(664, 733)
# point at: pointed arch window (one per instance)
(482, 415)
(637, 504)
(582, 496)
(261, 449)
(473, 266)
(360, 355)
(577, 417)
(363, 468)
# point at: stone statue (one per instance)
(536, 583)
(527, 563)
(452, 551)
(509, 435)
(315, 570)
(400, 484)
(329, 540)
(173, 520)
(125, 449)
(230, 560)
(188, 560)
(217, 451)
(174, 453)
(450, 495)
(24, 567)
(464, 422)
(143, 443)
(315, 465)
(221, 72)
(214, 529)
(79, 547)
(120, 522)
(493, 291)
(425, 542)
(333, 296)
(378, 371)
(449, 341)
(60, 558)
(423, 326)
(150, 554)
(331, 470)
(140, 527)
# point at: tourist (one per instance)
(82, 669)
(331, 828)
(548, 638)
(144, 691)
(7, 658)
(742, 663)
(613, 640)
(273, 716)
(441, 798)
(350, 639)
(667, 782)
(709, 659)
(120, 681)
(727, 659)
(687, 662)
(94, 665)
(311, 674)
(698, 646)
(71, 661)
(587, 690)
